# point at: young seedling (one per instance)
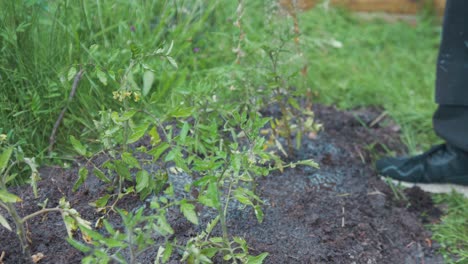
(8, 200)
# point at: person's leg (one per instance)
(452, 62)
(444, 167)
(451, 118)
(451, 124)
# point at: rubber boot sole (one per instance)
(432, 187)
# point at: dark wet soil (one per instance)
(340, 213)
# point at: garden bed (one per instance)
(340, 213)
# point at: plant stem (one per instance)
(43, 211)
(20, 231)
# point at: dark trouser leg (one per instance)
(451, 119)
(451, 124)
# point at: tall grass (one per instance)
(41, 40)
(391, 65)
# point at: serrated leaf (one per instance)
(130, 160)
(34, 174)
(71, 73)
(100, 175)
(258, 213)
(102, 202)
(83, 174)
(293, 102)
(188, 210)
(184, 132)
(167, 252)
(148, 80)
(182, 112)
(172, 62)
(70, 224)
(210, 252)
(4, 223)
(78, 245)
(164, 226)
(256, 259)
(240, 241)
(7, 197)
(101, 76)
(124, 117)
(136, 51)
(138, 132)
(159, 254)
(142, 179)
(243, 198)
(5, 158)
(211, 225)
(122, 170)
(80, 148)
(217, 240)
(155, 138)
(212, 193)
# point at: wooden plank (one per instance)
(388, 6)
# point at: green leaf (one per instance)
(211, 225)
(148, 80)
(188, 210)
(294, 103)
(138, 132)
(34, 174)
(159, 150)
(4, 158)
(142, 179)
(80, 148)
(83, 174)
(4, 223)
(159, 254)
(210, 252)
(182, 112)
(102, 202)
(184, 132)
(257, 259)
(181, 162)
(130, 160)
(122, 170)
(71, 73)
(7, 197)
(100, 175)
(101, 76)
(136, 50)
(167, 252)
(172, 62)
(124, 117)
(204, 181)
(258, 213)
(164, 226)
(78, 245)
(155, 138)
(217, 240)
(242, 198)
(212, 194)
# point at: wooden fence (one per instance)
(387, 6)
